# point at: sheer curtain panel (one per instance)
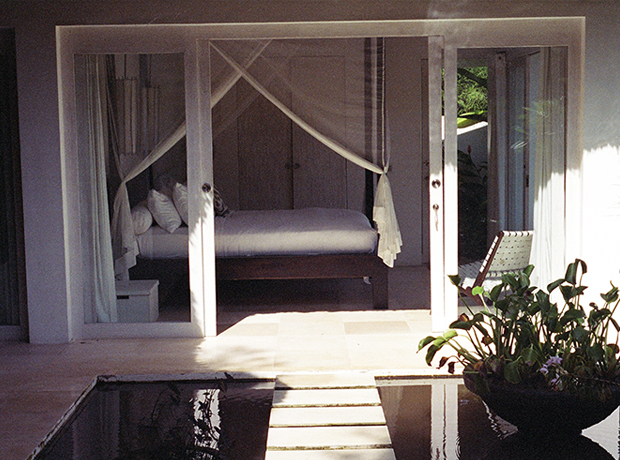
(99, 283)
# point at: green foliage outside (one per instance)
(473, 202)
(472, 95)
(472, 107)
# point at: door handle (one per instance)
(436, 209)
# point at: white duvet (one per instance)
(277, 232)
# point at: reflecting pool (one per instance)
(440, 419)
(198, 420)
(228, 419)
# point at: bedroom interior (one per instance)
(279, 111)
(267, 158)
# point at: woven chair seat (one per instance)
(509, 253)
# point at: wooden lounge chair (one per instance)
(509, 253)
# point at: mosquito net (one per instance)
(332, 89)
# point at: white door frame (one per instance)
(443, 236)
(87, 40)
(496, 32)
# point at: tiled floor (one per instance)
(38, 383)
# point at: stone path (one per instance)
(327, 417)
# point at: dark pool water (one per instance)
(441, 419)
(436, 419)
(196, 420)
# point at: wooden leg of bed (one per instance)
(379, 281)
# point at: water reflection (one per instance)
(517, 447)
(440, 419)
(198, 420)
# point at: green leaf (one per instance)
(542, 298)
(580, 334)
(571, 271)
(610, 296)
(425, 341)
(530, 356)
(477, 290)
(524, 281)
(430, 354)
(596, 352)
(572, 315)
(464, 325)
(554, 285)
(511, 372)
(528, 270)
(449, 334)
(511, 280)
(596, 316)
(568, 292)
(495, 292)
(455, 279)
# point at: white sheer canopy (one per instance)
(322, 119)
(341, 125)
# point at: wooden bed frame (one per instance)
(320, 266)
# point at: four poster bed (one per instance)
(317, 243)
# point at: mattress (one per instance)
(271, 233)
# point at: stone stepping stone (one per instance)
(325, 381)
(328, 437)
(329, 397)
(327, 417)
(343, 454)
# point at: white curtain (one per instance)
(547, 249)
(96, 242)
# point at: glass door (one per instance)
(511, 146)
(142, 188)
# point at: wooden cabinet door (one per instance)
(319, 174)
(280, 166)
(264, 142)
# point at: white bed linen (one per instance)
(278, 232)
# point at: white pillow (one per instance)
(163, 210)
(179, 196)
(142, 219)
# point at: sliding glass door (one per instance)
(498, 165)
(143, 194)
(170, 69)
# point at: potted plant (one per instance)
(547, 367)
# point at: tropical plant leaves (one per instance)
(525, 328)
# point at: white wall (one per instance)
(601, 159)
(47, 223)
